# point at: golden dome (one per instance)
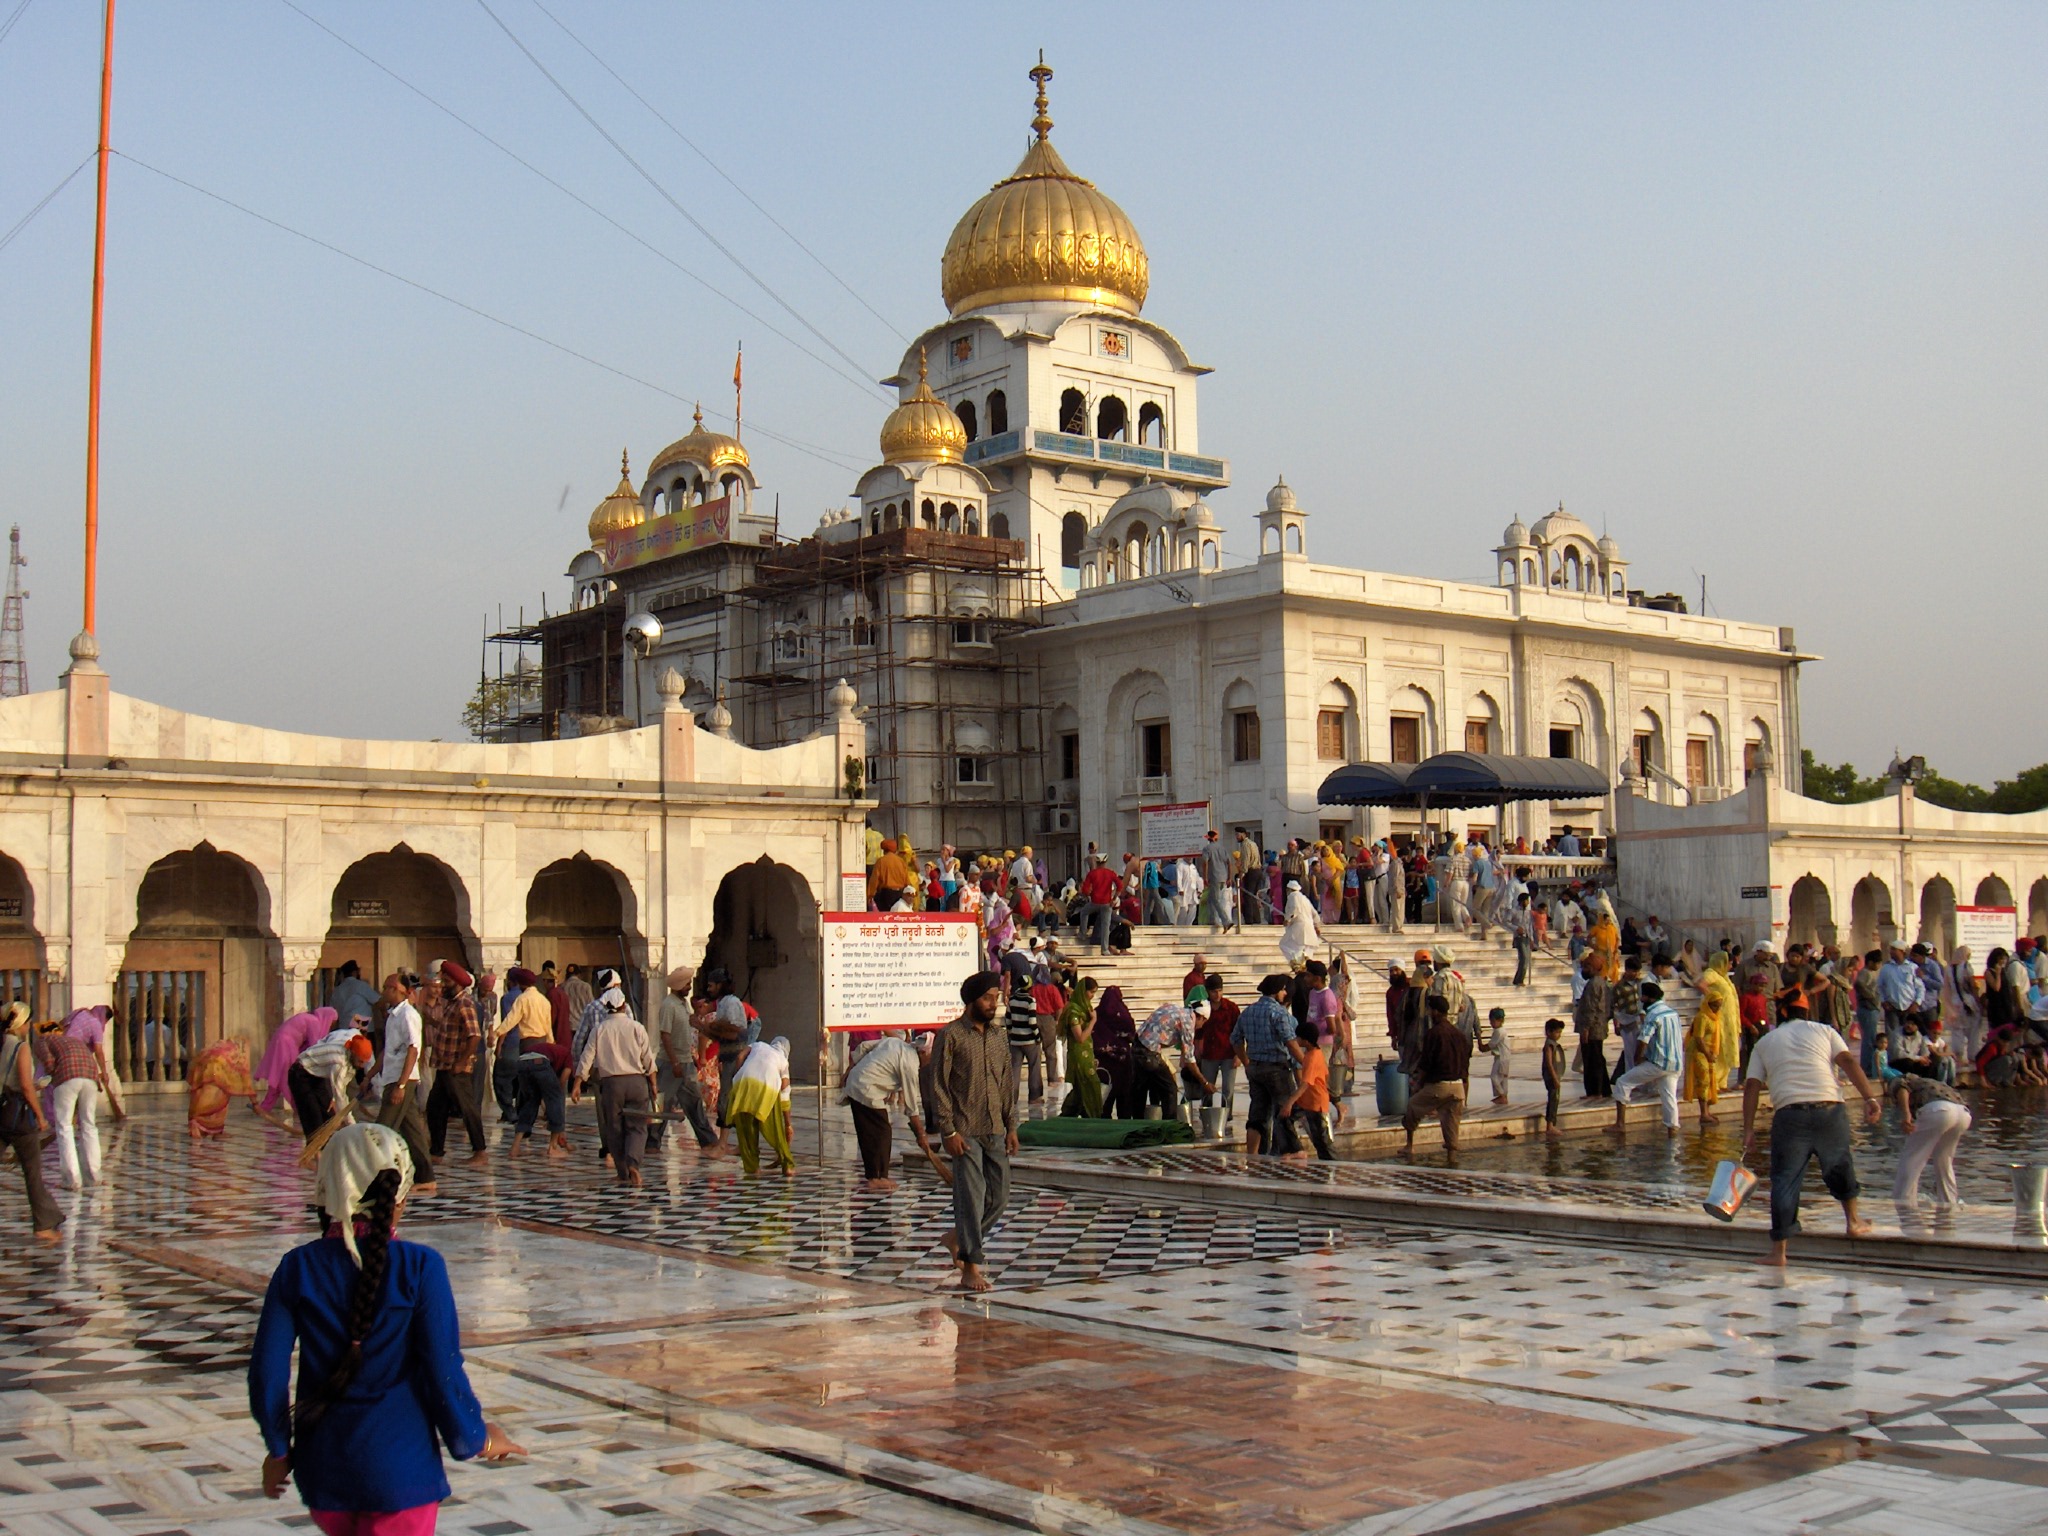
(1044, 233)
(619, 511)
(714, 450)
(923, 428)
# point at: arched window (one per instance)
(1294, 538)
(1507, 573)
(931, 513)
(1134, 555)
(1151, 425)
(1620, 589)
(1571, 569)
(949, 518)
(972, 521)
(1212, 554)
(1073, 412)
(965, 411)
(1155, 559)
(1269, 542)
(998, 413)
(999, 525)
(729, 486)
(1529, 572)
(1073, 531)
(874, 522)
(660, 505)
(1112, 423)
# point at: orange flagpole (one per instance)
(99, 293)
(738, 357)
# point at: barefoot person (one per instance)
(1797, 1061)
(381, 1383)
(973, 1105)
(885, 1076)
(1657, 1042)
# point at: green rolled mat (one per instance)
(1072, 1131)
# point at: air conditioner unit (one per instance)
(1059, 794)
(1065, 820)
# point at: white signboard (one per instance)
(897, 970)
(1984, 929)
(853, 892)
(1172, 831)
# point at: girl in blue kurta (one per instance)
(381, 1383)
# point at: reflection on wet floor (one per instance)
(2008, 1126)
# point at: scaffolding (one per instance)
(13, 654)
(509, 696)
(916, 621)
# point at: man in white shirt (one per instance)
(886, 1074)
(398, 1079)
(1797, 1061)
(1187, 890)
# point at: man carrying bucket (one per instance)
(1797, 1061)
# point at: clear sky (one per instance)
(1760, 290)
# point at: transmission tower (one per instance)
(13, 662)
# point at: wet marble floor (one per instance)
(721, 1355)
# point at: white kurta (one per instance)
(1300, 931)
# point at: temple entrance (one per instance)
(200, 966)
(1812, 917)
(1870, 916)
(1938, 916)
(580, 912)
(394, 909)
(765, 931)
(21, 947)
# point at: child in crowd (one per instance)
(1553, 1072)
(1310, 1105)
(1498, 1048)
(381, 1383)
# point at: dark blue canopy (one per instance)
(1454, 779)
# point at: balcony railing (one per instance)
(1069, 445)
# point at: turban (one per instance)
(680, 979)
(520, 976)
(1440, 956)
(979, 983)
(456, 974)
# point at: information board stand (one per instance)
(890, 971)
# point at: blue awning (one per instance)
(1486, 778)
(1368, 784)
(1463, 779)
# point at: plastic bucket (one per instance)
(2029, 1190)
(1732, 1184)
(1390, 1087)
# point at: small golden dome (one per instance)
(923, 429)
(714, 450)
(1044, 233)
(619, 511)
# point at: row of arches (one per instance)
(694, 490)
(1811, 913)
(942, 516)
(203, 960)
(1113, 422)
(998, 406)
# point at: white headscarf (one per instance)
(349, 1164)
(611, 995)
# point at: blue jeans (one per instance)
(1800, 1132)
(1870, 1026)
(1096, 920)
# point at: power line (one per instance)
(859, 380)
(7, 26)
(48, 197)
(838, 461)
(719, 170)
(666, 196)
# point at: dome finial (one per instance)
(1041, 72)
(697, 416)
(625, 465)
(923, 363)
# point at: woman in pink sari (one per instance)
(290, 1041)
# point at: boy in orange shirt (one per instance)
(1310, 1105)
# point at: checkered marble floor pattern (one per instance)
(723, 1355)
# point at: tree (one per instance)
(2027, 792)
(1835, 785)
(498, 702)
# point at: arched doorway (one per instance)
(21, 947)
(764, 930)
(2037, 909)
(200, 965)
(581, 912)
(1812, 912)
(394, 909)
(1993, 892)
(1871, 925)
(1938, 915)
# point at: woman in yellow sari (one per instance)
(1604, 939)
(219, 1075)
(1714, 1041)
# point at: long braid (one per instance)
(374, 1245)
